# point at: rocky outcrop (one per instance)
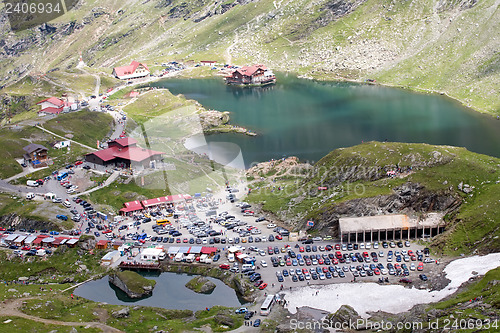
(123, 313)
(345, 314)
(20, 222)
(223, 319)
(201, 285)
(212, 118)
(87, 243)
(133, 284)
(407, 198)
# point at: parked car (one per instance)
(241, 310)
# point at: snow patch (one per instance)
(368, 297)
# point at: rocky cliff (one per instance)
(133, 284)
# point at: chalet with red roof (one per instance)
(134, 70)
(255, 75)
(52, 105)
(124, 153)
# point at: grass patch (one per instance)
(486, 287)
(10, 204)
(22, 325)
(155, 103)
(117, 194)
(61, 264)
(85, 126)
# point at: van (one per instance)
(247, 267)
(32, 183)
(30, 196)
(230, 257)
(49, 195)
(40, 252)
(162, 256)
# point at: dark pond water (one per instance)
(169, 293)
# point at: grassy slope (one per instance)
(85, 126)
(117, 194)
(155, 103)
(474, 227)
(415, 44)
(62, 263)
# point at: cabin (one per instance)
(62, 144)
(36, 155)
(124, 153)
(251, 75)
(52, 105)
(133, 71)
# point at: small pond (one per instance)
(170, 293)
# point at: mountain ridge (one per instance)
(450, 47)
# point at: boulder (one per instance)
(345, 314)
(223, 319)
(123, 313)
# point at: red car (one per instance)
(263, 286)
(106, 231)
(337, 247)
(2, 229)
(301, 249)
(279, 237)
(420, 266)
(25, 248)
(224, 266)
(78, 162)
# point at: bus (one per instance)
(265, 308)
(162, 222)
(61, 176)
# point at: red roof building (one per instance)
(124, 153)
(131, 206)
(258, 75)
(132, 71)
(52, 105)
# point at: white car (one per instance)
(263, 263)
(271, 225)
(69, 191)
(317, 239)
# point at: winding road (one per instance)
(11, 307)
